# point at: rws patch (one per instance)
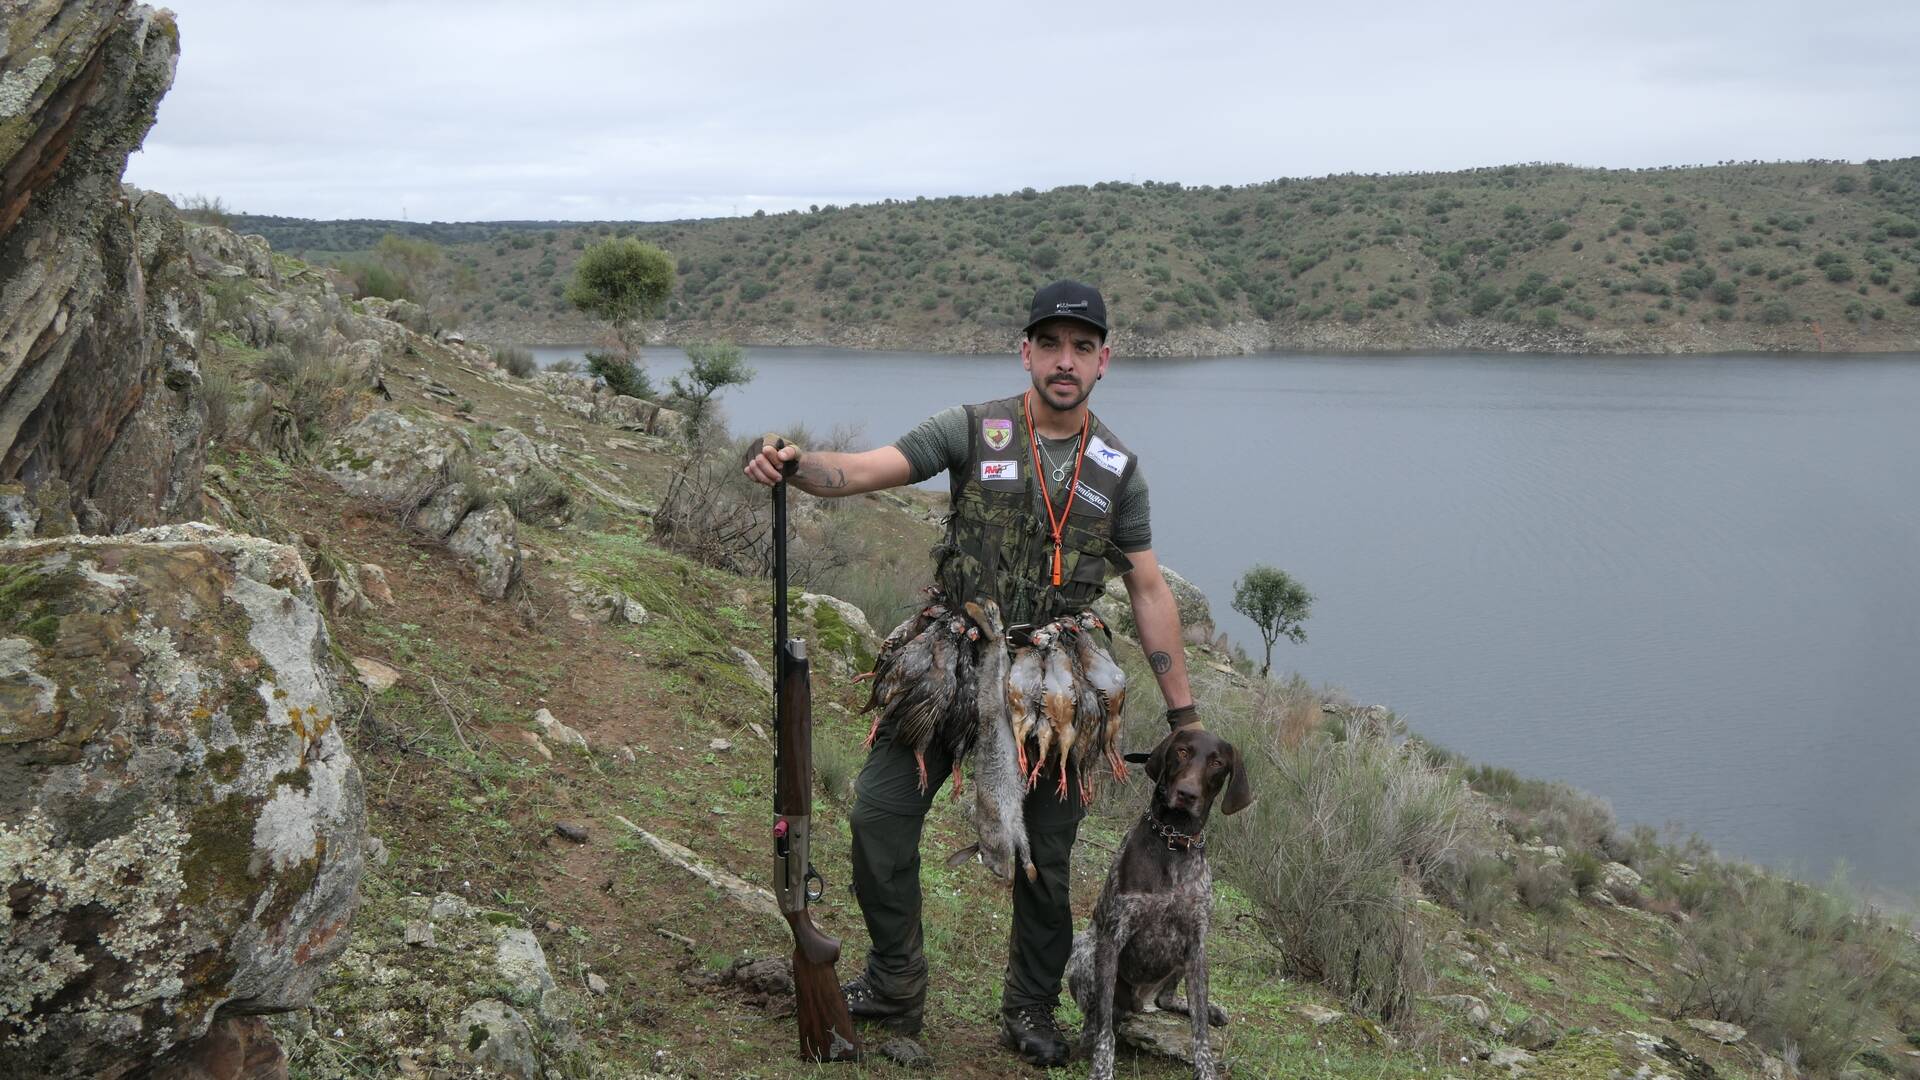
(999, 470)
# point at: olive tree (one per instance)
(1276, 603)
(622, 282)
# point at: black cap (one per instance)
(1068, 300)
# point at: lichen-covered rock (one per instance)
(838, 632)
(487, 539)
(99, 377)
(220, 252)
(494, 1036)
(392, 458)
(485, 982)
(181, 826)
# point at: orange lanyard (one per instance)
(1040, 476)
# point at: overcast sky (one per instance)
(476, 110)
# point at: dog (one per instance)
(1149, 928)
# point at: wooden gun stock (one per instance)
(826, 1028)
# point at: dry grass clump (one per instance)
(540, 497)
(308, 393)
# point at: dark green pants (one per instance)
(888, 810)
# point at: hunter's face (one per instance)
(1065, 358)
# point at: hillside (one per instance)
(494, 821)
(1798, 256)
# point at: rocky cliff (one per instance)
(181, 825)
(100, 409)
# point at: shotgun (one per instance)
(826, 1028)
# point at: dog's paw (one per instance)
(1204, 1067)
(1216, 1016)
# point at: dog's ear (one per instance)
(1157, 761)
(1239, 791)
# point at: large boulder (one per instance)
(100, 384)
(392, 458)
(838, 633)
(181, 826)
(487, 540)
(220, 252)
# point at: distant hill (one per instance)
(1800, 256)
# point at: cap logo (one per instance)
(1064, 306)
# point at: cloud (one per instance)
(460, 111)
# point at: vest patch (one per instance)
(999, 470)
(997, 433)
(1089, 496)
(1106, 456)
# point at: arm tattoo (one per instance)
(822, 477)
(1161, 663)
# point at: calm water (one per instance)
(1689, 585)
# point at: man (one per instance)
(1045, 500)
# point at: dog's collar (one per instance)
(1176, 840)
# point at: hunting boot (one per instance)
(897, 1016)
(1031, 1032)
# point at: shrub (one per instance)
(540, 497)
(1334, 851)
(1541, 885)
(515, 360)
(1473, 883)
(1724, 292)
(374, 279)
(1485, 299)
(623, 376)
(1777, 312)
(836, 762)
(221, 393)
(1791, 963)
(1583, 870)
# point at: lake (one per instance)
(1690, 585)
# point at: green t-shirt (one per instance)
(939, 444)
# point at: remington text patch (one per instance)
(999, 470)
(1089, 496)
(998, 433)
(1106, 456)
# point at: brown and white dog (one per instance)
(1149, 928)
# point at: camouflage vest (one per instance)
(998, 542)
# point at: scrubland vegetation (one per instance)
(1543, 248)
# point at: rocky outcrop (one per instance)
(438, 984)
(181, 826)
(100, 392)
(431, 473)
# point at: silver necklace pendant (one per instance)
(1060, 470)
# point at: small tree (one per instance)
(712, 366)
(622, 282)
(1276, 603)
